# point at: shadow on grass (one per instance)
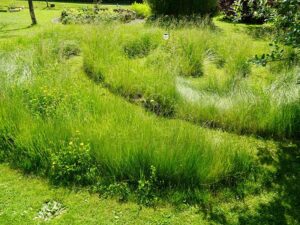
(6, 33)
(285, 207)
(3, 30)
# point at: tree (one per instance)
(286, 20)
(47, 3)
(31, 11)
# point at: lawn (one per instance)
(22, 197)
(115, 109)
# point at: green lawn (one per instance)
(21, 198)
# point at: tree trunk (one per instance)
(32, 14)
(47, 3)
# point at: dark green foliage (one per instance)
(103, 1)
(246, 11)
(121, 190)
(287, 22)
(183, 7)
(147, 189)
(286, 19)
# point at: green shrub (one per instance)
(121, 190)
(246, 11)
(43, 102)
(142, 9)
(92, 16)
(147, 189)
(286, 19)
(73, 163)
(182, 7)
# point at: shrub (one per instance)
(246, 11)
(142, 10)
(147, 188)
(43, 102)
(95, 16)
(286, 19)
(183, 7)
(73, 164)
(116, 189)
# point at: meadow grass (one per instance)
(58, 123)
(201, 75)
(47, 102)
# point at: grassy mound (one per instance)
(57, 123)
(200, 75)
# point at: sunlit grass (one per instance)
(47, 100)
(212, 64)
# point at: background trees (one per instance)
(183, 7)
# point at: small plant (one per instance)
(146, 191)
(142, 10)
(50, 210)
(44, 102)
(117, 189)
(73, 163)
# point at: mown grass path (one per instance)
(21, 197)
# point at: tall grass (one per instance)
(57, 110)
(224, 89)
